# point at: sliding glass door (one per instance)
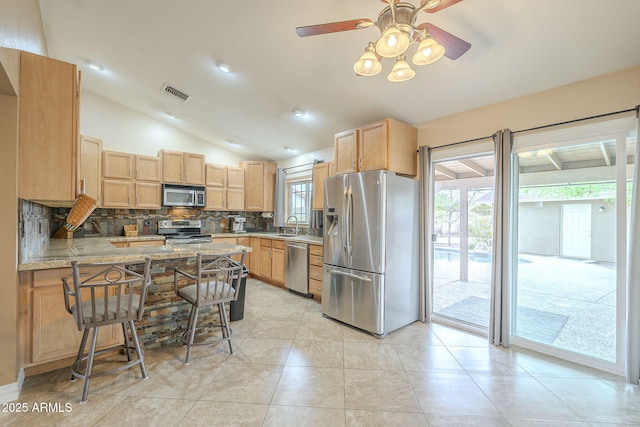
(571, 224)
(462, 236)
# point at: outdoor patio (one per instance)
(564, 302)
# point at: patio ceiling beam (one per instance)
(605, 154)
(446, 172)
(473, 166)
(553, 158)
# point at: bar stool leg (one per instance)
(127, 344)
(87, 372)
(136, 343)
(226, 331)
(192, 331)
(76, 365)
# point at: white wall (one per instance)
(122, 129)
(604, 94)
(21, 26)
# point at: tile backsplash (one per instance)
(38, 222)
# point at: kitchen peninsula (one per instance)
(48, 336)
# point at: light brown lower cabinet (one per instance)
(47, 331)
(270, 262)
(315, 271)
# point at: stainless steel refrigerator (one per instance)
(370, 273)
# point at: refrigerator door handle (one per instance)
(345, 224)
(350, 235)
(351, 275)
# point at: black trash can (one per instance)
(236, 308)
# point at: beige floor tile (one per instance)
(450, 393)
(284, 313)
(351, 334)
(178, 381)
(65, 409)
(360, 418)
(138, 411)
(270, 351)
(308, 386)
(322, 354)
(379, 390)
(417, 333)
(467, 421)
(371, 355)
(458, 338)
(244, 383)
(495, 360)
(596, 400)
(315, 327)
(524, 397)
(275, 329)
(528, 422)
(297, 416)
(427, 358)
(223, 414)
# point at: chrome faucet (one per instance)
(296, 218)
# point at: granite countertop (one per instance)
(57, 253)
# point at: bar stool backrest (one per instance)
(110, 293)
(222, 274)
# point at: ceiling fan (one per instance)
(398, 29)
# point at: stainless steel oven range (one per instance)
(182, 231)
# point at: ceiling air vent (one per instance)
(176, 94)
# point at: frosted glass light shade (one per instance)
(401, 71)
(392, 43)
(429, 51)
(368, 64)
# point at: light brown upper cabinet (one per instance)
(48, 129)
(90, 175)
(384, 145)
(117, 165)
(320, 172)
(225, 188)
(131, 181)
(182, 168)
(148, 168)
(259, 185)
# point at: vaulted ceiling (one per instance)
(518, 47)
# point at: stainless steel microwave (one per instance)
(183, 195)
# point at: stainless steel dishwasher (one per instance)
(296, 271)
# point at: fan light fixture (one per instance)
(401, 71)
(368, 64)
(398, 33)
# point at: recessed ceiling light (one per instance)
(224, 66)
(299, 112)
(233, 144)
(172, 116)
(292, 150)
(94, 65)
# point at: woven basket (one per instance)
(131, 230)
(82, 208)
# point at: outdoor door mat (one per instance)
(533, 324)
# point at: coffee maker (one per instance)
(237, 224)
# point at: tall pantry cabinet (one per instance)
(48, 129)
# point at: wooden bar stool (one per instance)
(105, 294)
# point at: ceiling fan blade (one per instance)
(443, 5)
(333, 27)
(454, 46)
